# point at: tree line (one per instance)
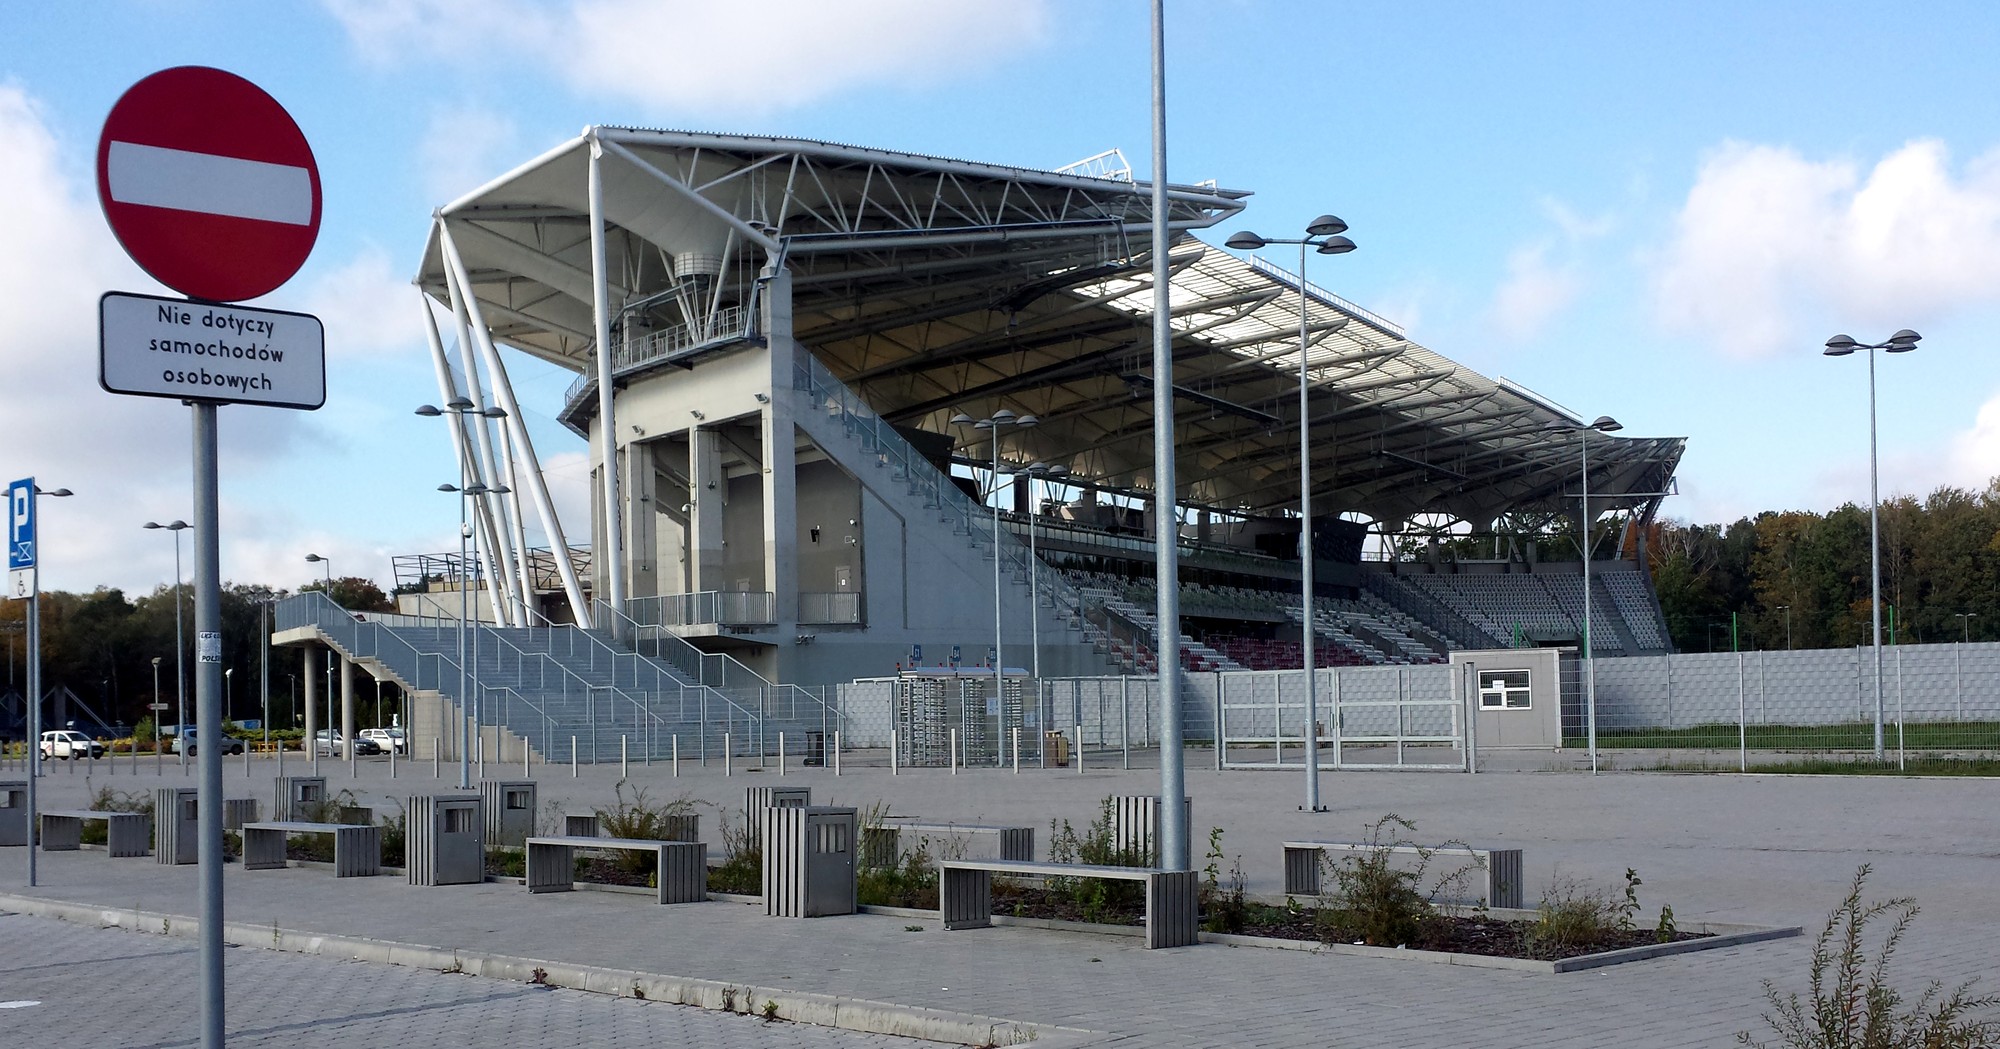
(101, 647)
(1799, 579)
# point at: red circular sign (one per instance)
(208, 184)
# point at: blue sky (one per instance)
(1656, 212)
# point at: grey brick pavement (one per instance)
(1764, 850)
(112, 989)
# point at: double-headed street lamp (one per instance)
(180, 646)
(468, 677)
(1603, 424)
(995, 423)
(1903, 341)
(1324, 235)
(1965, 620)
(327, 564)
(1032, 472)
(35, 662)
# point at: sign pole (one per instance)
(34, 721)
(208, 719)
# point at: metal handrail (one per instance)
(733, 322)
(879, 438)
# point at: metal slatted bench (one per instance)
(1502, 866)
(881, 845)
(125, 833)
(683, 865)
(357, 849)
(965, 894)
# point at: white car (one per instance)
(328, 742)
(387, 738)
(67, 744)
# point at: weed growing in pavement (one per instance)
(1853, 1004)
(742, 869)
(1223, 910)
(1095, 897)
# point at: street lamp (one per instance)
(229, 694)
(34, 740)
(1033, 471)
(1603, 424)
(1323, 234)
(1903, 341)
(1965, 620)
(327, 563)
(180, 646)
(463, 407)
(1787, 610)
(997, 421)
(468, 686)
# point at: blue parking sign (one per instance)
(21, 524)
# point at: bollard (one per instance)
(572, 757)
(1079, 749)
(1017, 750)
(525, 751)
(677, 755)
(725, 754)
(434, 757)
(623, 768)
(353, 770)
(836, 753)
(781, 753)
(954, 752)
(392, 758)
(246, 762)
(892, 752)
(281, 760)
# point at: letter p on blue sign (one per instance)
(21, 524)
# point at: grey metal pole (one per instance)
(1173, 780)
(264, 647)
(34, 741)
(1589, 665)
(464, 692)
(999, 661)
(600, 308)
(180, 653)
(208, 720)
(1034, 584)
(1306, 553)
(1874, 555)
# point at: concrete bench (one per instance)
(683, 865)
(1502, 867)
(881, 845)
(357, 850)
(965, 894)
(125, 833)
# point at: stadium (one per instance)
(869, 413)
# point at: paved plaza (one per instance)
(1767, 850)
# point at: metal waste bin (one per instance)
(238, 811)
(809, 861)
(510, 809)
(815, 749)
(1056, 746)
(300, 798)
(757, 799)
(445, 841)
(176, 825)
(582, 826)
(13, 812)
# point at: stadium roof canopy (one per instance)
(937, 286)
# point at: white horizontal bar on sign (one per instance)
(210, 184)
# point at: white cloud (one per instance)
(704, 57)
(369, 309)
(1774, 251)
(463, 147)
(1533, 293)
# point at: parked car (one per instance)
(387, 738)
(330, 743)
(68, 743)
(187, 739)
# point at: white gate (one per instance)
(1386, 717)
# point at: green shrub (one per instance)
(638, 817)
(1380, 901)
(1223, 909)
(395, 835)
(742, 869)
(107, 800)
(1854, 1005)
(1097, 898)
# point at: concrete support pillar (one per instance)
(642, 531)
(310, 658)
(708, 489)
(346, 701)
(780, 437)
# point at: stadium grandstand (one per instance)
(861, 404)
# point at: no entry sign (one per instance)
(208, 183)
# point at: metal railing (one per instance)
(827, 395)
(839, 607)
(725, 325)
(705, 608)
